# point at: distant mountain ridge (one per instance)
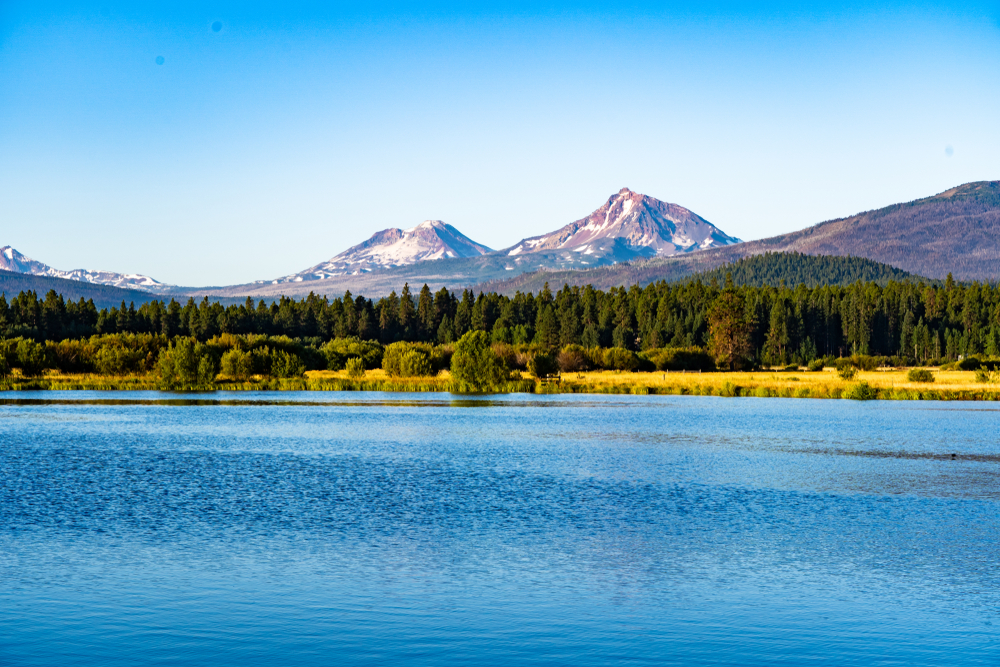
(14, 261)
(956, 231)
(430, 240)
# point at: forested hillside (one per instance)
(793, 268)
(103, 296)
(911, 320)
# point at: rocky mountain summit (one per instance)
(431, 239)
(630, 223)
(12, 260)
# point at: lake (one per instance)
(425, 529)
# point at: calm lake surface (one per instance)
(356, 528)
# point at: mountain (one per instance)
(430, 240)
(629, 223)
(957, 232)
(104, 296)
(12, 260)
(628, 226)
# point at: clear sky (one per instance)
(214, 143)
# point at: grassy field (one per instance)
(880, 384)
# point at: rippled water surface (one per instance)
(317, 529)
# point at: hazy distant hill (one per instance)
(104, 296)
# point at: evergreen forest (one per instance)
(694, 324)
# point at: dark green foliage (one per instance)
(968, 364)
(847, 372)
(186, 365)
(237, 364)
(817, 365)
(680, 359)
(620, 359)
(340, 350)
(901, 323)
(919, 375)
(475, 366)
(543, 365)
(30, 357)
(776, 269)
(861, 391)
(408, 359)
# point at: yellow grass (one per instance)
(889, 384)
(822, 384)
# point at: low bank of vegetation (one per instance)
(473, 364)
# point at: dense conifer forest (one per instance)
(694, 324)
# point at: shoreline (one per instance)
(871, 385)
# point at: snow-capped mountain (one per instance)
(634, 223)
(12, 260)
(431, 239)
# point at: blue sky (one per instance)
(295, 131)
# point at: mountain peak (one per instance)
(431, 239)
(12, 260)
(428, 224)
(638, 223)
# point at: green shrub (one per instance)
(620, 359)
(969, 364)
(847, 372)
(286, 365)
(355, 367)
(31, 358)
(407, 359)
(339, 350)
(680, 359)
(919, 375)
(474, 364)
(4, 366)
(816, 365)
(729, 390)
(791, 367)
(114, 360)
(542, 365)
(186, 365)
(861, 391)
(237, 364)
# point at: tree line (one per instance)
(742, 326)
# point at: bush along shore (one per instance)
(472, 365)
(901, 341)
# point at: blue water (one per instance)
(365, 529)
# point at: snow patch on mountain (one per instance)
(647, 225)
(431, 239)
(12, 260)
